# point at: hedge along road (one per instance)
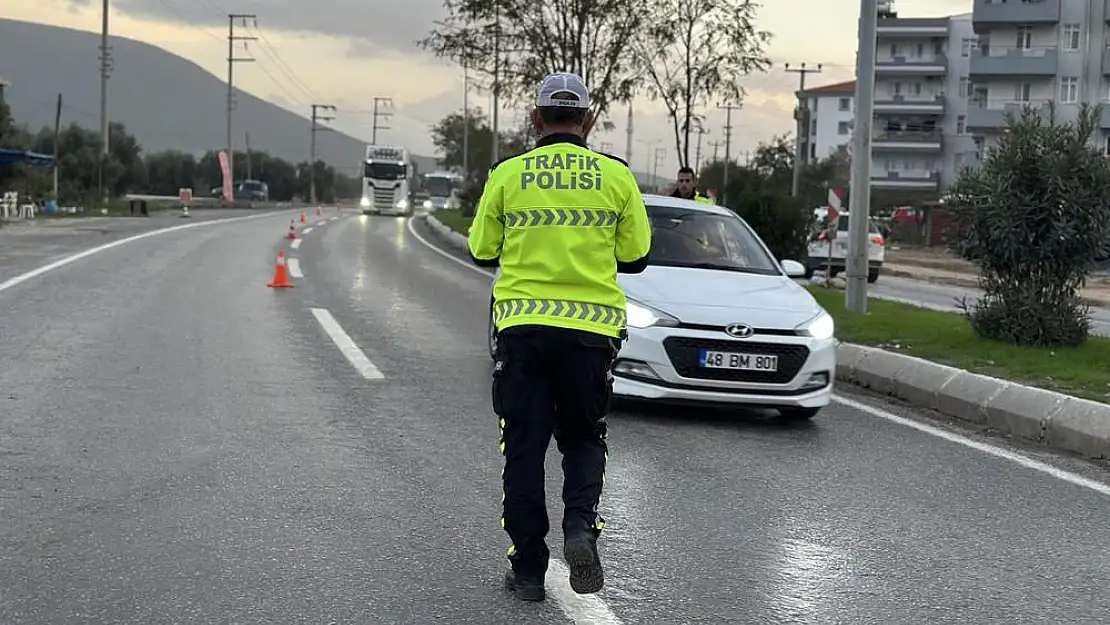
(199, 448)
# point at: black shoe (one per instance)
(525, 588)
(586, 576)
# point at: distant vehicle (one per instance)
(386, 184)
(819, 248)
(249, 190)
(716, 319)
(443, 188)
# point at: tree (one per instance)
(698, 50)
(1033, 217)
(782, 221)
(517, 42)
(447, 136)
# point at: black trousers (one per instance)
(551, 381)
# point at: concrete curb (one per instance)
(1044, 417)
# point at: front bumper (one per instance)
(645, 370)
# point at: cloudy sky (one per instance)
(346, 52)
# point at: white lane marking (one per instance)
(34, 273)
(296, 243)
(295, 268)
(334, 219)
(322, 222)
(346, 345)
(307, 230)
(991, 450)
(584, 609)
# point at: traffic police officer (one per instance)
(686, 188)
(561, 221)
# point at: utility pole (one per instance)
(801, 116)
(728, 148)
(660, 155)
(466, 125)
(105, 72)
(697, 154)
(316, 119)
(4, 84)
(496, 148)
(231, 61)
(379, 105)
(249, 159)
(57, 136)
(715, 145)
(855, 293)
(628, 137)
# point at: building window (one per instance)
(961, 124)
(813, 152)
(917, 88)
(1071, 37)
(845, 104)
(893, 50)
(1025, 37)
(1023, 91)
(968, 46)
(965, 84)
(920, 50)
(843, 128)
(1069, 90)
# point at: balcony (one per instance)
(1014, 62)
(910, 105)
(989, 14)
(906, 141)
(918, 180)
(989, 117)
(1104, 123)
(913, 27)
(902, 66)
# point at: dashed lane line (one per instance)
(295, 268)
(986, 448)
(307, 230)
(296, 243)
(346, 345)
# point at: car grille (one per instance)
(683, 353)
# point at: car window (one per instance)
(842, 224)
(685, 238)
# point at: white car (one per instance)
(715, 319)
(819, 248)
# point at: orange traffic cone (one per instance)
(281, 276)
(292, 236)
(304, 216)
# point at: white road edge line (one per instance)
(306, 231)
(991, 450)
(34, 273)
(295, 268)
(584, 609)
(296, 243)
(321, 223)
(347, 345)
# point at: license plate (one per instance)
(710, 359)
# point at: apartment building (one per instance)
(920, 136)
(1031, 52)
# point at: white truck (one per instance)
(386, 181)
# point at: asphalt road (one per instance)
(947, 298)
(181, 444)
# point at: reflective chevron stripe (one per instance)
(561, 217)
(593, 313)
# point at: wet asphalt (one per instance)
(181, 444)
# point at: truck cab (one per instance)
(386, 181)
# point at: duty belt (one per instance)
(593, 313)
(575, 217)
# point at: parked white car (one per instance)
(716, 319)
(819, 249)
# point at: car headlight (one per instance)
(820, 327)
(364, 202)
(643, 316)
(428, 204)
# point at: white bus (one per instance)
(443, 188)
(386, 185)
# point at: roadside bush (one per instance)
(782, 221)
(1033, 218)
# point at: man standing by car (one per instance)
(561, 221)
(687, 188)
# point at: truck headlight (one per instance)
(643, 316)
(364, 202)
(403, 204)
(822, 327)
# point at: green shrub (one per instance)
(782, 221)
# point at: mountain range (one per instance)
(164, 100)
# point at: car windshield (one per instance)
(384, 171)
(700, 239)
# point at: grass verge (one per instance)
(947, 338)
(453, 219)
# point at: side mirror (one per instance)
(793, 268)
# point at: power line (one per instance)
(316, 119)
(231, 61)
(801, 116)
(380, 103)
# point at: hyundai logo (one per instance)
(739, 330)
